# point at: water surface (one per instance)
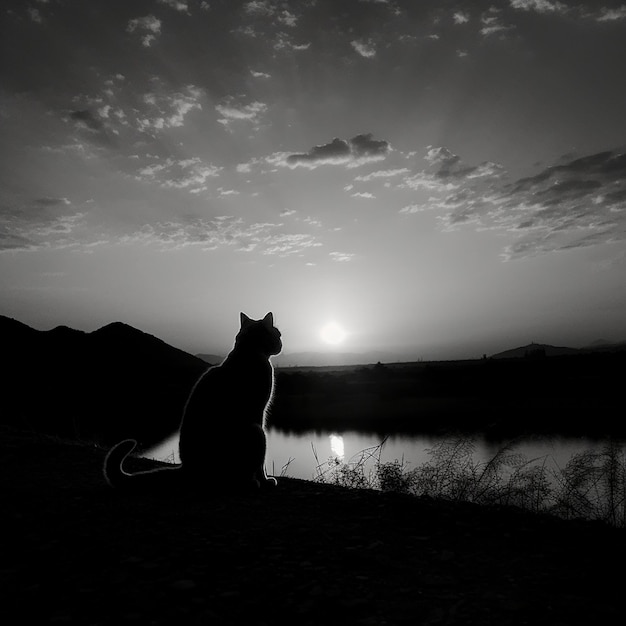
(301, 454)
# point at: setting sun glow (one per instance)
(332, 333)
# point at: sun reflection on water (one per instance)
(336, 446)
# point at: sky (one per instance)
(432, 179)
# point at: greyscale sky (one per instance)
(439, 179)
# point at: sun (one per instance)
(332, 333)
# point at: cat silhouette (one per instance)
(222, 433)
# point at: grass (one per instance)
(592, 485)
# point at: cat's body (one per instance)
(222, 430)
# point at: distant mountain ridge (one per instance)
(541, 349)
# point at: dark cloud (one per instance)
(353, 152)
(51, 202)
(44, 222)
(567, 190)
(572, 205)
(336, 150)
(365, 146)
(575, 204)
(602, 164)
(446, 172)
(93, 127)
(444, 164)
(86, 119)
(13, 241)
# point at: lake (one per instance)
(302, 453)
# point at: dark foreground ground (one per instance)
(78, 552)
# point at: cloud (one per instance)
(190, 174)
(50, 202)
(335, 152)
(35, 15)
(86, 120)
(382, 174)
(575, 204)
(461, 17)
(244, 168)
(441, 157)
(266, 8)
(34, 227)
(260, 74)
(285, 43)
(178, 5)
(206, 233)
(267, 239)
(42, 223)
(357, 151)
(232, 112)
(271, 22)
(93, 127)
(491, 23)
(150, 25)
(168, 110)
(366, 146)
(364, 48)
(612, 15)
(284, 245)
(341, 257)
(287, 19)
(447, 172)
(413, 208)
(259, 7)
(364, 194)
(540, 6)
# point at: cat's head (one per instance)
(259, 335)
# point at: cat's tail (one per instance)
(115, 475)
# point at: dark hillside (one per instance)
(78, 552)
(112, 383)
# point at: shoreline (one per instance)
(80, 552)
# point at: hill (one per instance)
(535, 350)
(114, 382)
(211, 359)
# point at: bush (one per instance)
(592, 485)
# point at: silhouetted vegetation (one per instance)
(574, 395)
(592, 485)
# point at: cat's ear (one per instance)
(268, 320)
(244, 320)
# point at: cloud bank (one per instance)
(576, 204)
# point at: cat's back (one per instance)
(236, 382)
